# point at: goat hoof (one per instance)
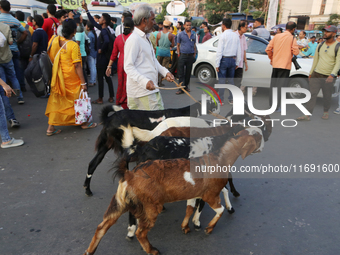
(236, 194)
(154, 251)
(186, 230)
(129, 238)
(88, 192)
(197, 228)
(231, 211)
(208, 230)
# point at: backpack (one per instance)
(25, 47)
(34, 77)
(55, 30)
(112, 38)
(39, 72)
(337, 46)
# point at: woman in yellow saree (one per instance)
(67, 80)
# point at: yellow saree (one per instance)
(65, 84)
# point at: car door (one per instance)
(259, 68)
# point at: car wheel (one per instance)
(206, 74)
(298, 83)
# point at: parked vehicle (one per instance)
(114, 11)
(28, 7)
(260, 70)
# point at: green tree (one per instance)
(334, 19)
(160, 17)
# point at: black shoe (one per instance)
(14, 123)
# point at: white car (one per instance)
(259, 68)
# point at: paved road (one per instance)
(44, 209)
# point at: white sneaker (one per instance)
(13, 143)
(337, 111)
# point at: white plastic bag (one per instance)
(83, 108)
(2, 40)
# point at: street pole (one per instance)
(240, 7)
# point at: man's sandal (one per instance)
(325, 116)
(303, 118)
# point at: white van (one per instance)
(28, 7)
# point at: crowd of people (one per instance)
(142, 53)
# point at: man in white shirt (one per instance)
(141, 65)
(120, 28)
(228, 56)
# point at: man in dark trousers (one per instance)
(186, 48)
(280, 51)
(102, 57)
(325, 68)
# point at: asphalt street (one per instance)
(44, 209)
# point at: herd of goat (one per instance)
(166, 145)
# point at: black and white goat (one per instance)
(116, 132)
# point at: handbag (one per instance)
(83, 108)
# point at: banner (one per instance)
(272, 13)
(75, 4)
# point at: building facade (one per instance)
(308, 14)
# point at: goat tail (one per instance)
(121, 166)
(107, 109)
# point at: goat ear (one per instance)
(248, 147)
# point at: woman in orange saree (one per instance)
(67, 80)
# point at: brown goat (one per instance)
(144, 190)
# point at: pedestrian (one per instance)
(160, 26)
(320, 40)
(194, 30)
(12, 67)
(228, 56)
(114, 22)
(325, 68)
(260, 30)
(120, 28)
(92, 57)
(141, 65)
(338, 38)
(80, 38)
(29, 21)
(186, 48)
(242, 65)
(51, 23)
(312, 45)
(7, 71)
(207, 35)
(201, 32)
(180, 26)
(44, 15)
(280, 51)
(279, 30)
(67, 80)
(118, 49)
(152, 38)
(302, 43)
(39, 38)
(61, 15)
(102, 54)
(7, 141)
(165, 40)
(26, 46)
